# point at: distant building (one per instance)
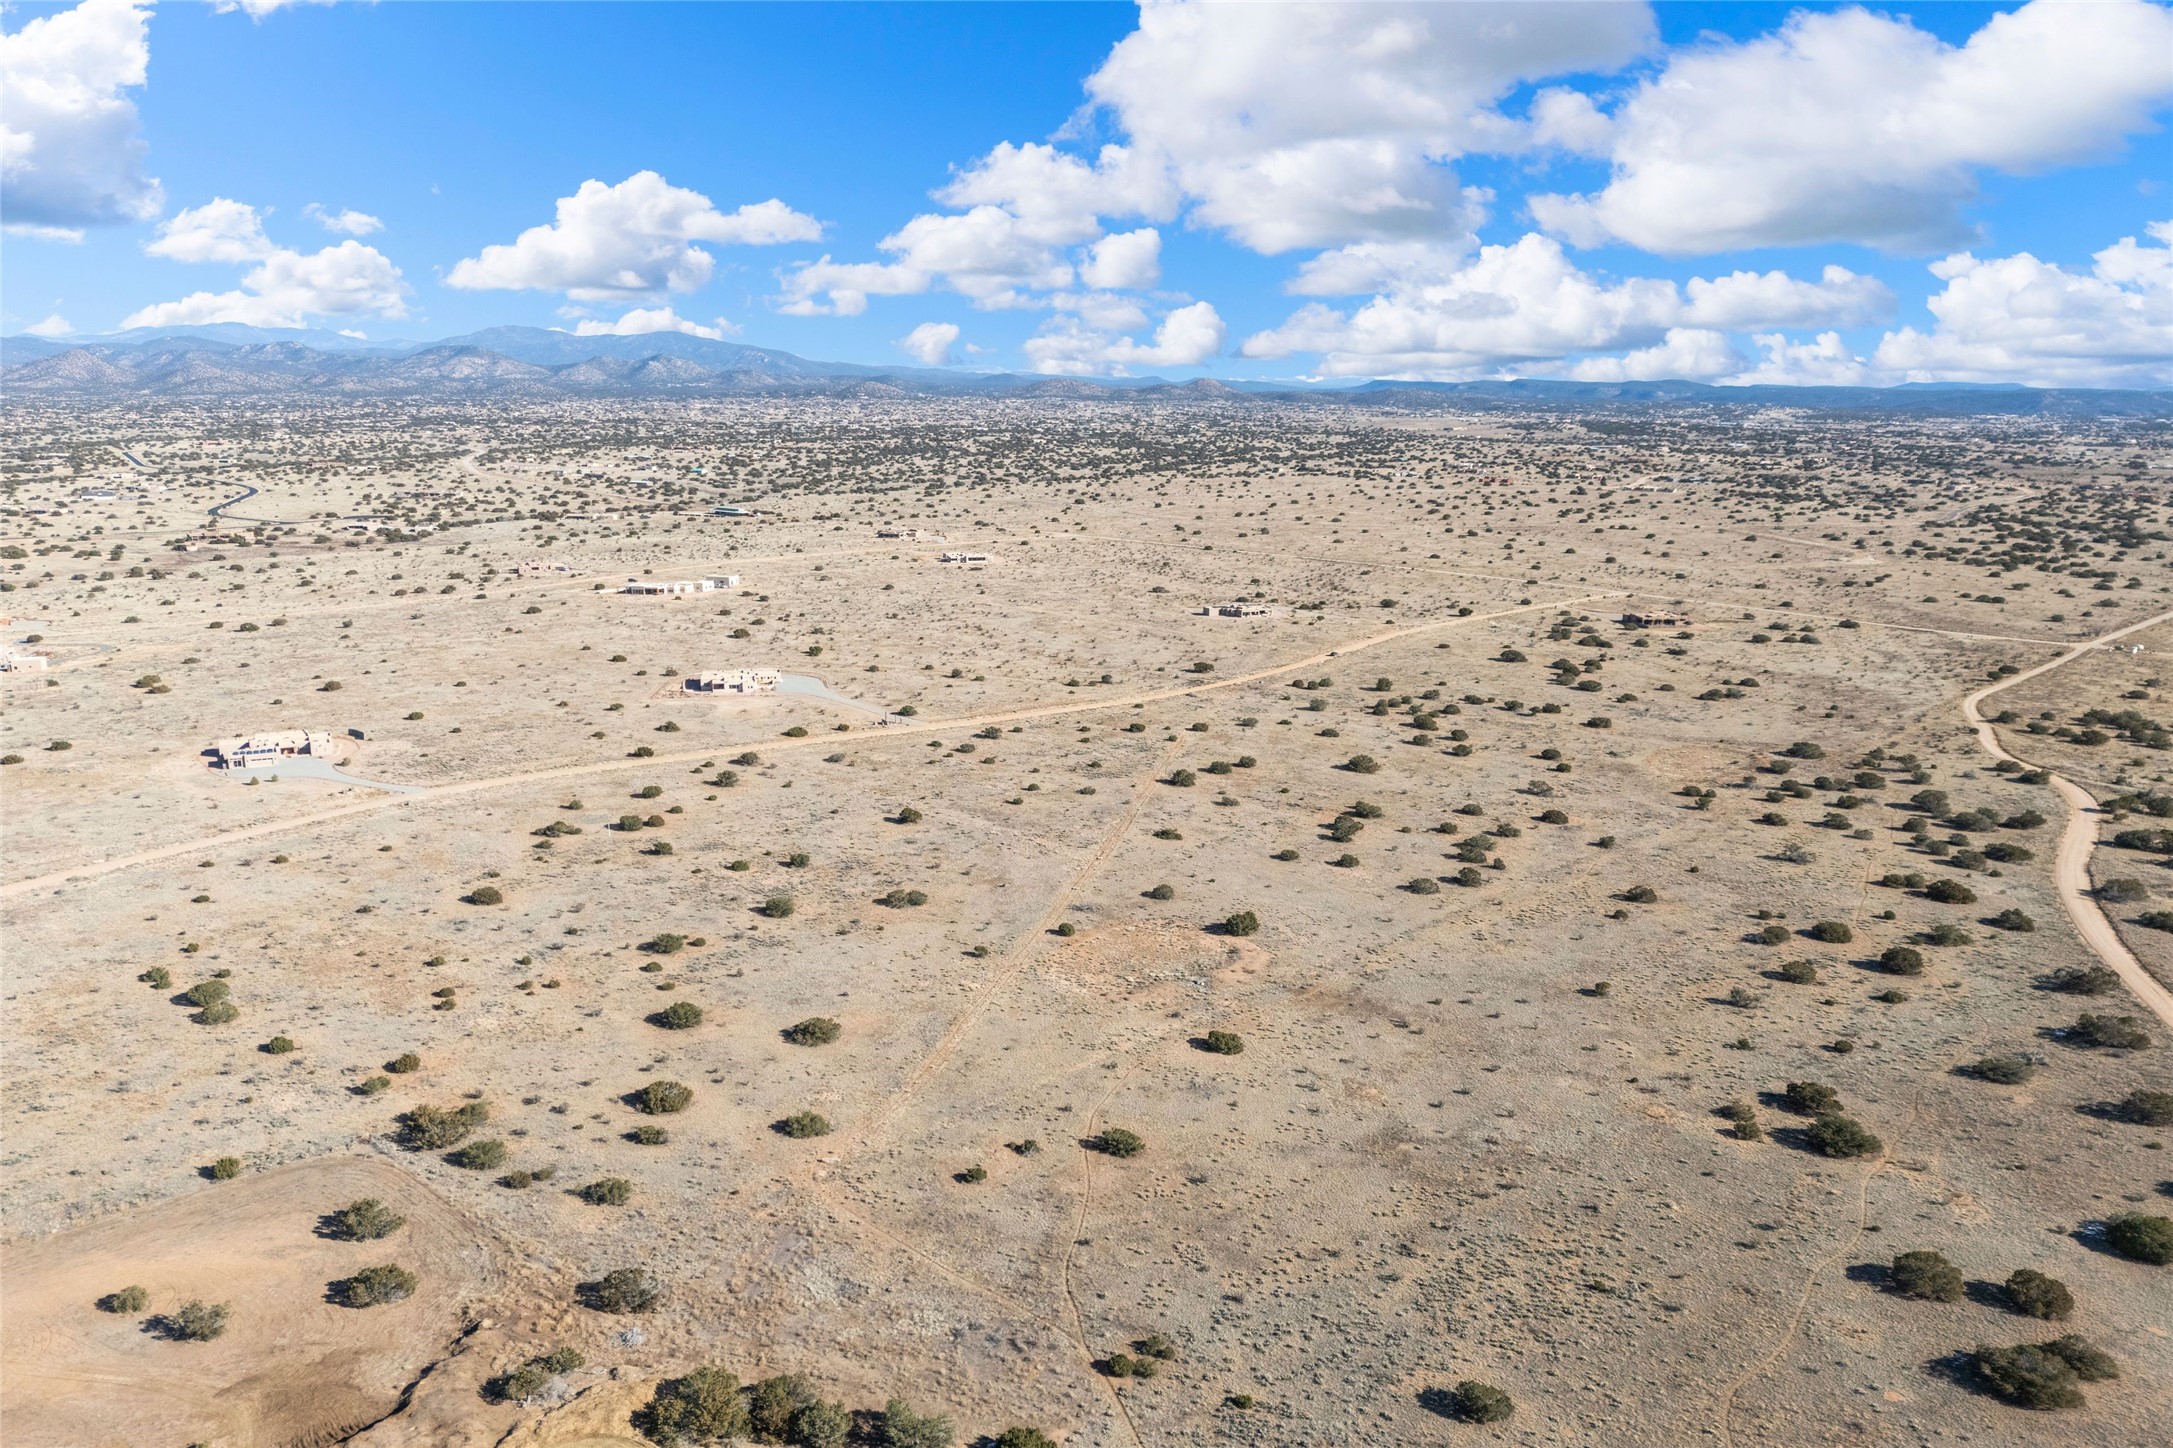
(22, 661)
(734, 681)
(708, 584)
(911, 535)
(1656, 620)
(535, 567)
(728, 511)
(1237, 610)
(962, 558)
(257, 750)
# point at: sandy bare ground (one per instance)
(292, 1367)
(2071, 867)
(94, 869)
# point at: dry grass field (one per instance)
(1514, 909)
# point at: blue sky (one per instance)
(1609, 190)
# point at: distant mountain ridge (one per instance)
(230, 361)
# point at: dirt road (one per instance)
(93, 869)
(2071, 866)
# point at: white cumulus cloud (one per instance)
(1850, 125)
(219, 230)
(640, 321)
(1187, 337)
(1825, 361)
(1317, 125)
(932, 344)
(53, 326)
(71, 155)
(283, 289)
(630, 240)
(2019, 319)
(1694, 353)
(1127, 260)
(1839, 298)
(347, 222)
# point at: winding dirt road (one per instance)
(2071, 866)
(92, 869)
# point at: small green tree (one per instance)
(2140, 1237)
(771, 1404)
(1927, 1276)
(226, 1168)
(1244, 922)
(376, 1286)
(2146, 1107)
(624, 1290)
(1016, 1437)
(703, 1406)
(814, 1031)
(803, 1124)
(1901, 960)
(487, 1155)
(1841, 1136)
(662, 1098)
(195, 1321)
(778, 907)
(1477, 1402)
(607, 1192)
(1116, 1141)
(126, 1302)
(1809, 1098)
(2033, 1294)
(366, 1220)
(901, 1427)
(1223, 1043)
(678, 1016)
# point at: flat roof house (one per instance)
(253, 751)
(733, 681)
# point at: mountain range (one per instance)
(235, 362)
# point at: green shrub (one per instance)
(195, 1321)
(901, 1427)
(1162, 892)
(2033, 1294)
(1223, 1043)
(487, 1155)
(2140, 1237)
(208, 992)
(404, 1063)
(126, 1302)
(158, 977)
(1477, 1402)
(666, 944)
(1901, 960)
(623, 1290)
(1016, 1437)
(1640, 895)
(607, 1192)
(2028, 1376)
(648, 1136)
(678, 1016)
(1927, 1277)
(803, 1124)
(366, 1220)
(772, 1403)
(1183, 778)
(226, 1168)
(814, 1031)
(1836, 1135)
(279, 1045)
(1809, 1098)
(2002, 1070)
(2145, 1107)
(376, 1286)
(778, 907)
(2091, 980)
(372, 1085)
(432, 1128)
(218, 1013)
(1116, 1141)
(2014, 920)
(2113, 1032)
(531, 1378)
(1362, 764)
(1242, 923)
(1832, 932)
(1950, 892)
(486, 895)
(701, 1407)
(662, 1098)
(1798, 972)
(821, 1425)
